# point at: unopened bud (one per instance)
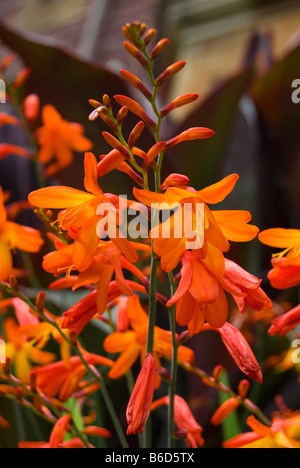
(134, 52)
(40, 302)
(170, 71)
(107, 101)
(149, 36)
(31, 106)
(165, 374)
(175, 180)
(179, 102)
(135, 134)
(244, 387)
(159, 48)
(217, 373)
(22, 77)
(94, 103)
(183, 337)
(33, 380)
(73, 338)
(136, 82)
(13, 283)
(122, 114)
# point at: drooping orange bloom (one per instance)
(284, 433)
(58, 139)
(218, 227)
(22, 352)
(80, 217)
(184, 420)
(286, 265)
(240, 351)
(140, 402)
(64, 380)
(13, 236)
(132, 343)
(200, 296)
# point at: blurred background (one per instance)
(242, 58)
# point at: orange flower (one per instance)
(58, 140)
(14, 236)
(140, 402)
(284, 433)
(205, 300)
(286, 265)
(217, 227)
(80, 216)
(22, 352)
(184, 420)
(64, 380)
(132, 343)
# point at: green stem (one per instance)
(174, 368)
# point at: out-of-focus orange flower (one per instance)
(184, 420)
(7, 119)
(286, 323)
(284, 433)
(80, 217)
(13, 236)
(58, 139)
(140, 402)
(132, 343)
(64, 380)
(3, 423)
(22, 352)
(219, 227)
(286, 265)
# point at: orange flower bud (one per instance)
(6, 149)
(124, 167)
(7, 119)
(159, 48)
(135, 134)
(132, 50)
(197, 133)
(149, 36)
(170, 71)
(218, 371)
(139, 405)
(106, 101)
(97, 432)
(40, 301)
(31, 106)
(179, 102)
(122, 114)
(134, 107)
(240, 351)
(112, 141)
(286, 323)
(109, 162)
(22, 77)
(94, 103)
(244, 387)
(153, 153)
(175, 180)
(224, 411)
(7, 61)
(136, 82)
